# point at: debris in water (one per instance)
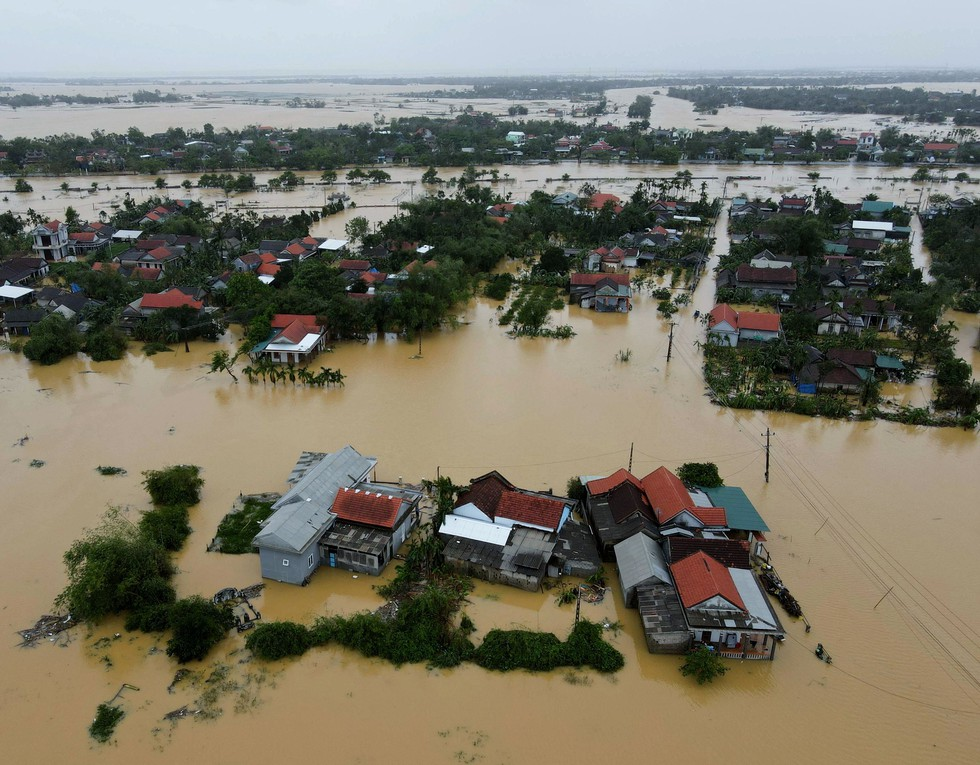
(181, 712)
(179, 675)
(47, 626)
(37, 463)
(22, 440)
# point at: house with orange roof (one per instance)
(729, 327)
(601, 292)
(726, 608)
(294, 339)
(502, 533)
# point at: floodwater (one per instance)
(874, 529)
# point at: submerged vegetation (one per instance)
(107, 717)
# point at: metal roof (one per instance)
(755, 600)
(640, 559)
(479, 531)
(740, 512)
(303, 512)
(333, 245)
(10, 292)
(889, 362)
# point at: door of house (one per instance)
(333, 559)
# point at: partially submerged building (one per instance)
(333, 515)
(501, 533)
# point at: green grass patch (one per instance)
(237, 530)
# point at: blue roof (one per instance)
(740, 512)
(876, 206)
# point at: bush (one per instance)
(505, 650)
(574, 489)
(498, 286)
(277, 640)
(106, 344)
(198, 625)
(703, 665)
(585, 647)
(104, 724)
(174, 485)
(700, 474)
(168, 526)
(52, 339)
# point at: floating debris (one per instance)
(22, 440)
(47, 626)
(37, 463)
(181, 712)
(775, 587)
(111, 470)
(179, 675)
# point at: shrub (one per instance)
(586, 647)
(277, 640)
(703, 665)
(504, 650)
(168, 526)
(574, 489)
(154, 618)
(700, 474)
(106, 719)
(106, 344)
(198, 625)
(174, 485)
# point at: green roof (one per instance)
(889, 362)
(837, 249)
(739, 511)
(869, 206)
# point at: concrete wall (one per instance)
(292, 568)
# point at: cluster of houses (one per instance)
(865, 147)
(684, 554)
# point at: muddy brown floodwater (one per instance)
(858, 511)
(901, 504)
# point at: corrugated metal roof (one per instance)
(467, 528)
(755, 600)
(739, 511)
(304, 511)
(640, 559)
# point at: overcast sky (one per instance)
(459, 37)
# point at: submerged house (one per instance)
(333, 515)
(294, 339)
(501, 533)
(601, 292)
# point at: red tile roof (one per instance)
(370, 277)
(295, 332)
(268, 269)
(161, 253)
(170, 299)
(485, 492)
(296, 249)
(366, 507)
(82, 236)
(764, 322)
(598, 201)
(534, 510)
(700, 577)
(602, 485)
(723, 313)
(144, 274)
(666, 494)
(747, 273)
(940, 146)
(281, 320)
(52, 226)
(353, 265)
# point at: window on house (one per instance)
(285, 562)
(311, 561)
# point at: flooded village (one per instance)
(567, 450)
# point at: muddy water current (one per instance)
(874, 528)
(855, 509)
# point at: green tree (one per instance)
(105, 344)
(174, 485)
(52, 339)
(700, 474)
(198, 625)
(703, 665)
(22, 187)
(357, 228)
(115, 568)
(160, 183)
(640, 108)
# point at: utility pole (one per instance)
(670, 340)
(767, 434)
(630, 468)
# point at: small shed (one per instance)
(640, 561)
